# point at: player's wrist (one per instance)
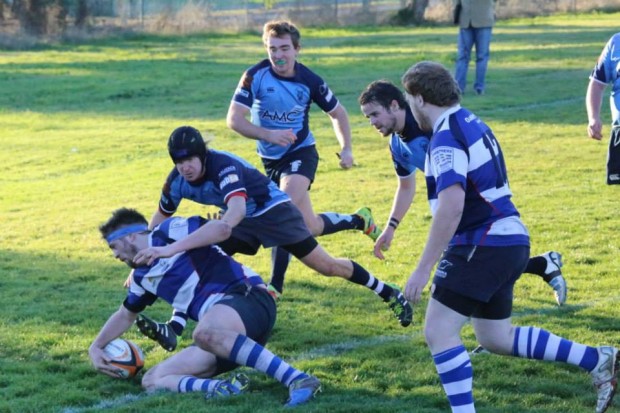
(393, 223)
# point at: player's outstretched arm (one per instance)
(117, 324)
(212, 232)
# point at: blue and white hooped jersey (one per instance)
(190, 281)
(277, 102)
(409, 148)
(607, 71)
(226, 175)
(464, 151)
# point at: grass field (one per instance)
(84, 127)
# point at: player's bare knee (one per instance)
(206, 338)
(433, 336)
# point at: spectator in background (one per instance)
(475, 19)
(606, 72)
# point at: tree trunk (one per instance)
(418, 7)
(81, 16)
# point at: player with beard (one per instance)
(234, 312)
(384, 105)
(255, 213)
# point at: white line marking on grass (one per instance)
(108, 404)
(322, 351)
(338, 348)
(334, 349)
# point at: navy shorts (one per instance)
(303, 161)
(613, 155)
(257, 310)
(478, 281)
(281, 226)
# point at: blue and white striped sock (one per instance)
(191, 383)
(456, 375)
(248, 352)
(539, 344)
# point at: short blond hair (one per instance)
(280, 28)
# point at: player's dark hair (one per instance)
(433, 82)
(280, 28)
(122, 217)
(382, 92)
(185, 142)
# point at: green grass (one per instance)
(83, 129)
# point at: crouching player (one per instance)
(230, 302)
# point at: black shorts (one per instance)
(479, 281)
(613, 155)
(303, 161)
(281, 226)
(257, 310)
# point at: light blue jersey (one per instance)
(607, 71)
(408, 148)
(190, 281)
(464, 151)
(277, 102)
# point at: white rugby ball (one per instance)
(126, 355)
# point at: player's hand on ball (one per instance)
(101, 360)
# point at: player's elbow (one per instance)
(232, 120)
(221, 230)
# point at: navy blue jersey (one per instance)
(277, 102)
(409, 147)
(607, 71)
(225, 175)
(464, 151)
(190, 281)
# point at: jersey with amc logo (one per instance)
(277, 102)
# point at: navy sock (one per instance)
(362, 277)
(536, 265)
(279, 263)
(334, 222)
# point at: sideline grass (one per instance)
(84, 129)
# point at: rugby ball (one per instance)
(126, 355)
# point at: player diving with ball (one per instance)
(230, 303)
